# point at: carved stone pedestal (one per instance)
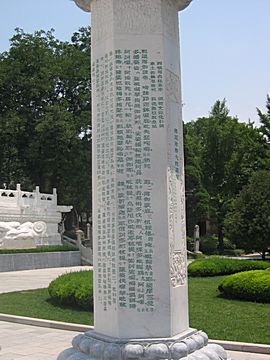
(190, 346)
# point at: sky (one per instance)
(225, 48)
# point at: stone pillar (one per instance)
(19, 195)
(140, 277)
(54, 197)
(88, 231)
(79, 235)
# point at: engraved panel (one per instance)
(172, 86)
(181, 183)
(176, 239)
(125, 126)
(137, 16)
(178, 268)
(172, 210)
(182, 209)
(175, 183)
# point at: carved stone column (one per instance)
(141, 300)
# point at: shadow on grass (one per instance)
(68, 306)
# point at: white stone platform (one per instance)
(31, 211)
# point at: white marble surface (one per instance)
(26, 207)
(14, 235)
(138, 177)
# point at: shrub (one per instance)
(190, 243)
(220, 266)
(41, 249)
(248, 285)
(209, 245)
(228, 245)
(73, 289)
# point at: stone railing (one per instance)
(20, 209)
(22, 198)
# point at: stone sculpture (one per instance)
(16, 235)
(23, 207)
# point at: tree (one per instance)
(265, 121)
(197, 198)
(45, 110)
(229, 153)
(248, 221)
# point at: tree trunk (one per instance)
(263, 255)
(220, 241)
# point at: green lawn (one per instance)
(226, 319)
(34, 303)
(220, 318)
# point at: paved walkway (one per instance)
(235, 355)
(33, 279)
(24, 342)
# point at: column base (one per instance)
(192, 345)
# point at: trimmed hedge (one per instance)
(41, 249)
(249, 285)
(221, 266)
(73, 289)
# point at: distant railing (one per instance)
(84, 245)
(33, 199)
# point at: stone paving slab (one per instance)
(241, 346)
(21, 342)
(236, 355)
(33, 279)
(24, 342)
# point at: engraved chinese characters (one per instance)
(124, 149)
